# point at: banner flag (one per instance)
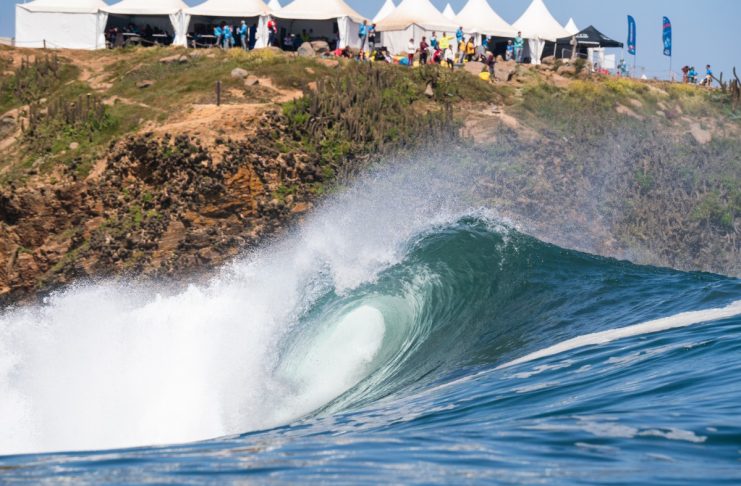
(667, 37)
(631, 35)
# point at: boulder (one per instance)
(474, 67)
(145, 83)
(320, 47)
(700, 135)
(429, 91)
(548, 60)
(251, 80)
(171, 59)
(306, 50)
(567, 70)
(331, 63)
(239, 73)
(74, 146)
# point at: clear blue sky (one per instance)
(705, 31)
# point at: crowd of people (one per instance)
(118, 37)
(690, 76)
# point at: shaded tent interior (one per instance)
(586, 39)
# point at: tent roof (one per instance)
(230, 8)
(64, 6)
(449, 12)
(386, 9)
(146, 7)
(571, 27)
(274, 5)
(317, 10)
(478, 16)
(591, 36)
(537, 22)
(416, 12)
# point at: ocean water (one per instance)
(390, 339)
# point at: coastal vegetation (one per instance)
(121, 163)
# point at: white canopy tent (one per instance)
(67, 24)
(449, 12)
(274, 5)
(249, 10)
(156, 12)
(477, 17)
(412, 19)
(571, 27)
(385, 11)
(538, 26)
(321, 16)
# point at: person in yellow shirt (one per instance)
(461, 51)
(444, 41)
(470, 49)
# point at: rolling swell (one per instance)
(426, 344)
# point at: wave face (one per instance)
(391, 338)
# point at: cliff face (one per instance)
(120, 164)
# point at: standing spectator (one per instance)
(444, 41)
(470, 49)
(433, 41)
(519, 45)
(363, 35)
(423, 50)
(272, 31)
(449, 57)
(411, 50)
(510, 53)
(461, 51)
(243, 36)
(708, 81)
(692, 75)
(218, 34)
(459, 35)
(685, 74)
(437, 56)
(491, 63)
(372, 38)
(228, 38)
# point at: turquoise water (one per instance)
(430, 387)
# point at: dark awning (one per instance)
(591, 37)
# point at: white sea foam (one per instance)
(683, 319)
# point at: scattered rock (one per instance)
(474, 67)
(429, 91)
(566, 70)
(700, 135)
(331, 63)
(239, 73)
(320, 47)
(251, 80)
(636, 103)
(146, 83)
(312, 86)
(549, 60)
(74, 146)
(624, 110)
(306, 50)
(173, 59)
(310, 70)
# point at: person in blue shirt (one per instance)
(459, 35)
(243, 35)
(692, 75)
(228, 38)
(363, 34)
(510, 53)
(219, 34)
(708, 81)
(519, 47)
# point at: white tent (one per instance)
(274, 5)
(571, 27)
(386, 9)
(477, 17)
(156, 12)
(449, 12)
(321, 16)
(249, 10)
(538, 26)
(70, 24)
(413, 19)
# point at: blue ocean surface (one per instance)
(385, 341)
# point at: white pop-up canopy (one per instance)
(248, 10)
(320, 17)
(385, 11)
(538, 26)
(69, 24)
(571, 27)
(155, 12)
(477, 17)
(274, 5)
(449, 12)
(413, 19)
